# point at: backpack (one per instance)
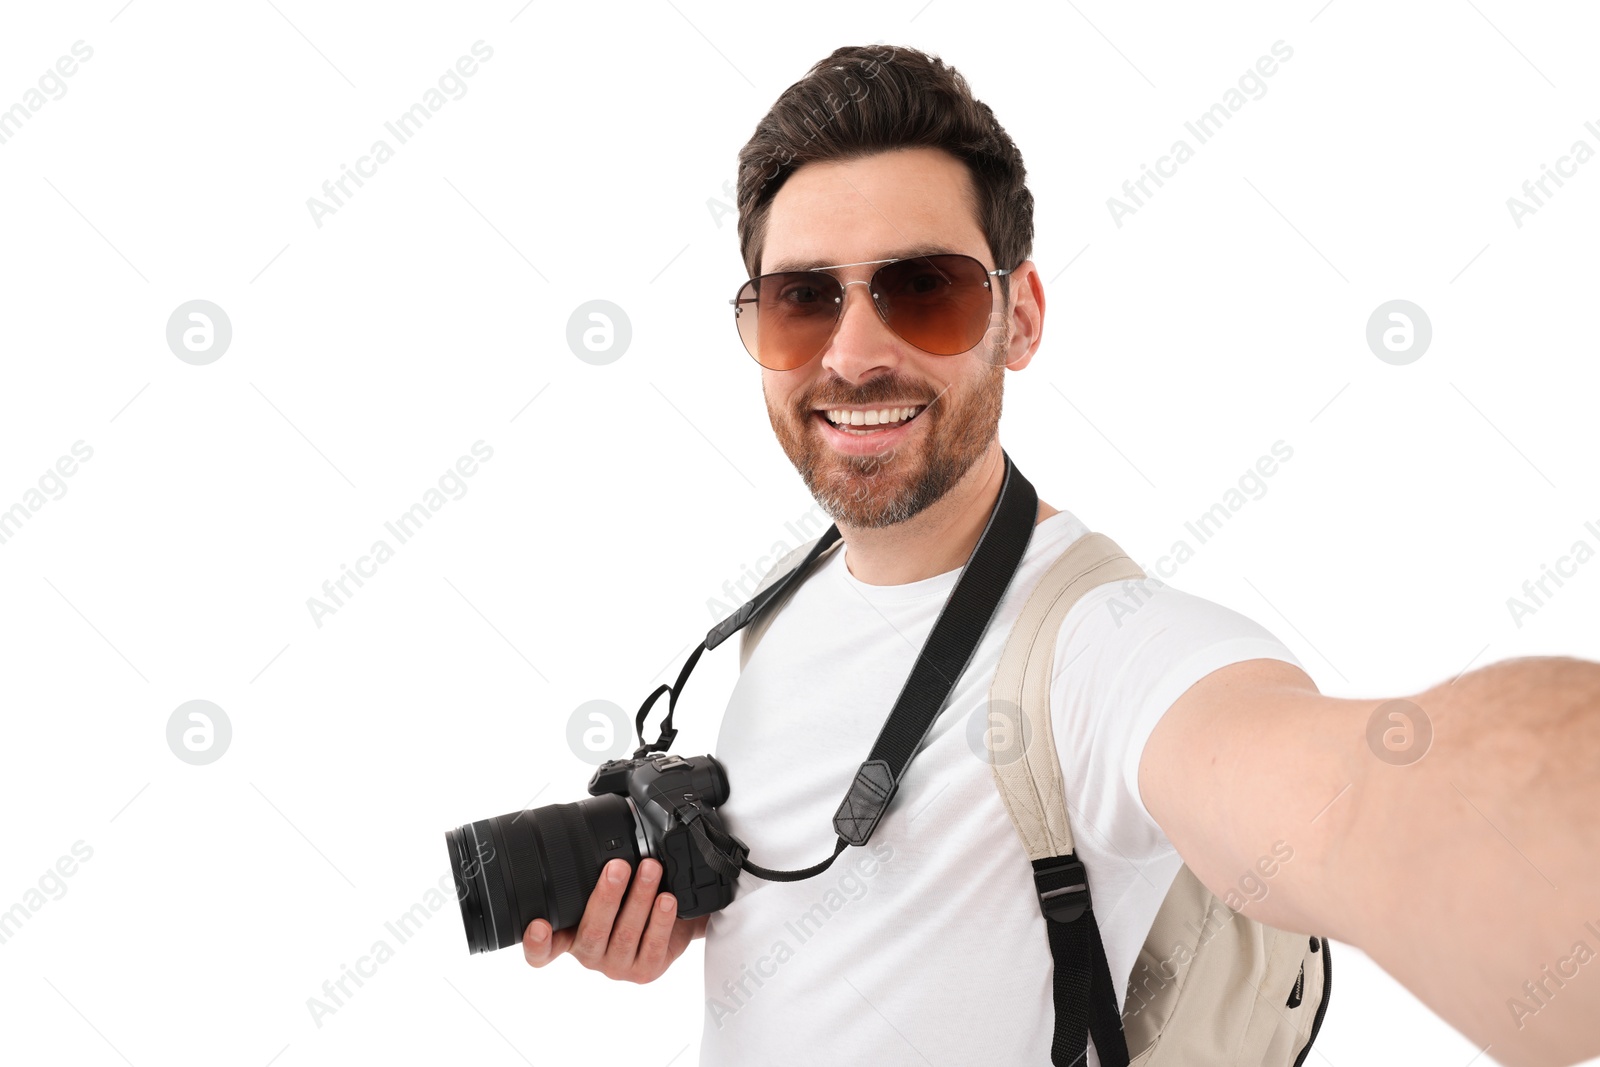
(1211, 987)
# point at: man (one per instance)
(1187, 733)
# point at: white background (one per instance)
(584, 162)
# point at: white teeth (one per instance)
(881, 417)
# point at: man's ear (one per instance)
(1026, 314)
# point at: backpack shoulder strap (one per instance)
(1031, 786)
(1211, 987)
(1030, 782)
(752, 633)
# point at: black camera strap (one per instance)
(944, 656)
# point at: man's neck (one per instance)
(940, 538)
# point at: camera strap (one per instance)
(944, 656)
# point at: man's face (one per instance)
(880, 207)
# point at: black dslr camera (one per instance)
(544, 863)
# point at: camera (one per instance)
(544, 863)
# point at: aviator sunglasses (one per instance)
(938, 303)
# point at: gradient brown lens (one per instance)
(785, 319)
(940, 304)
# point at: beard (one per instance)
(897, 484)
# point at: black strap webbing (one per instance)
(752, 607)
(1085, 1000)
(718, 634)
(944, 656)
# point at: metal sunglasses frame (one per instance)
(881, 263)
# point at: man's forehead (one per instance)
(890, 205)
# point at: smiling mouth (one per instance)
(867, 423)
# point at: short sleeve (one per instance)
(1124, 654)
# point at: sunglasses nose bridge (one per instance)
(844, 310)
(831, 351)
(872, 298)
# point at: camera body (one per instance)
(667, 793)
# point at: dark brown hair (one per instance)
(875, 98)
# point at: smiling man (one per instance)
(886, 225)
(886, 228)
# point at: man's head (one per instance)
(876, 154)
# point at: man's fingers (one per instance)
(535, 951)
(540, 951)
(636, 939)
(594, 929)
(652, 958)
(635, 913)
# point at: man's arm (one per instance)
(1467, 865)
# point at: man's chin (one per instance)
(864, 499)
(876, 473)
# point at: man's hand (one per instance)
(610, 943)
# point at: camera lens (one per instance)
(538, 864)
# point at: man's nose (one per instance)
(862, 342)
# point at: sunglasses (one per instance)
(939, 304)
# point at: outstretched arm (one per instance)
(1453, 836)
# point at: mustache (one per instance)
(872, 395)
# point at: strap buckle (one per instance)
(1063, 887)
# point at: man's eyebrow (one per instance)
(905, 253)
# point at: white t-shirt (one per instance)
(927, 945)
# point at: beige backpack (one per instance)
(1211, 987)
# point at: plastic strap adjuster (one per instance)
(1063, 888)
